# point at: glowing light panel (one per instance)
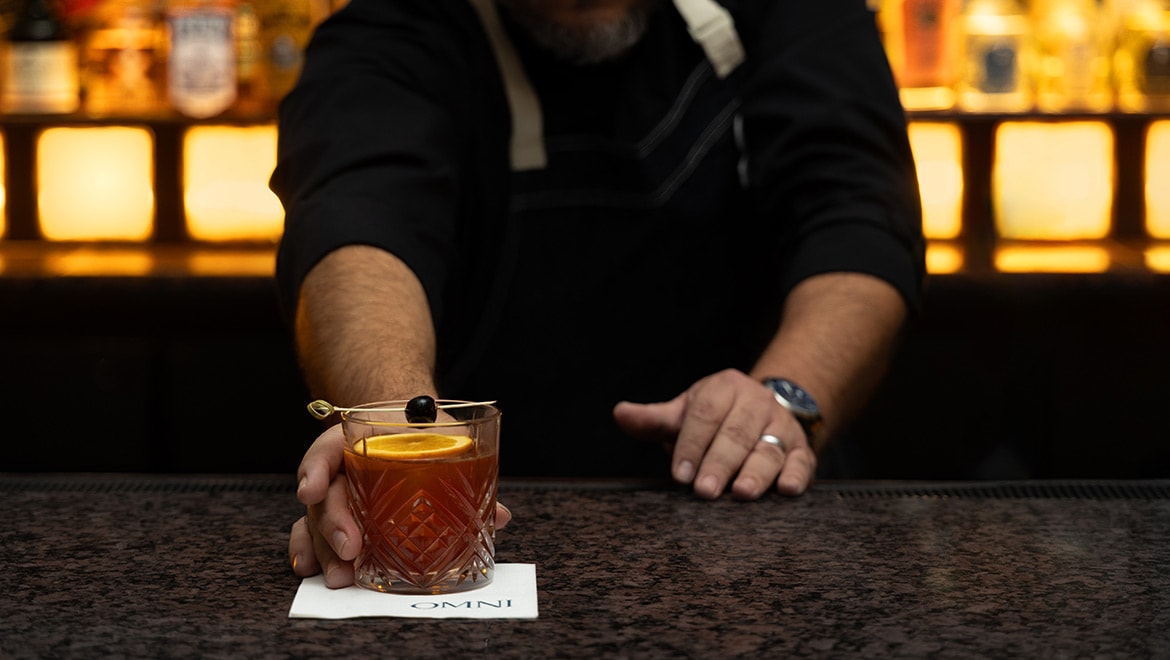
(1055, 259)
(1158, 258)
(95, 183)
(225, 183)
(93, 262)
(1053, 181)
(3, 195)
(232, 263)
(1158, 179)
(938, 153)
(943, 259)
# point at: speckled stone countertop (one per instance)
(138, 566)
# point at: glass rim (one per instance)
(354, 414)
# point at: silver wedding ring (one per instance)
(774, 441)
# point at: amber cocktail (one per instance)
(424, 495)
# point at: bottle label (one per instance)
(287, 27)
(285, 55)
(1157, 68)
(993, 64)
(41, 77)
(1000, 70)
(123, 66)
(1078, 59)
(202, 65)
(248, 45)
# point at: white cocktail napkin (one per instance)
(511, 595)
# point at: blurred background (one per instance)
(137, 239)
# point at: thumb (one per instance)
(651, 421)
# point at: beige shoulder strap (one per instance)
(711, 27)
(527, 119)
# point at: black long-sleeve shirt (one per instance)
(657, 247)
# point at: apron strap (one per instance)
(711, 27)
(527, 119)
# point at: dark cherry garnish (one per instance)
(421, 410)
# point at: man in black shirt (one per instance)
(569, 207)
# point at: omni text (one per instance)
(466, 605)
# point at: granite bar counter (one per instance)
(195, 566)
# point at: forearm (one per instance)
(835, 339)
(364, 330)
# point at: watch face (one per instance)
(799, 400)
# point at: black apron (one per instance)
(617, 283)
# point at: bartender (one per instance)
(636, 224)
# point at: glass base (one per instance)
(456, 581)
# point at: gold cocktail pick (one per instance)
(322, 409)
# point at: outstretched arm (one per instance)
(364, 330)
(835, 339)
(364, 334)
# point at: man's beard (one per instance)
(581, 44)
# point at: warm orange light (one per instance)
(1158, 258)
(927, 98)
(212, 264)
(96, 183)
(225, 183)
(943, 259)
(90, 262)
(1158, 179)
(3, 195)
(1053, 181)
(1052, 259)
(938, 154)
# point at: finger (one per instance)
(738, 419)
(336, 536)
(337, 572)
(798, 472)
(704, 413)
(731, 448)
(333, 520)
(320, 464)
(651, 421)
(300, 549)
(761, 467)
(503, 516)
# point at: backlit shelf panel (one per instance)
(1053, 180)
(38, 259)
(995, 189)
(1157, 179)
(149, 182)
(938, 154)
(225, 183)
(95, 183)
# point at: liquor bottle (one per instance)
(1142, 59)
(921, 40)
(1073, 52)
(201, 68)
(996, 57)
(252, 95)
(125, 59)
(286, 26)
(41, 63)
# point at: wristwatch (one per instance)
(799, 402)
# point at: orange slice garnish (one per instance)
(405, 446)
